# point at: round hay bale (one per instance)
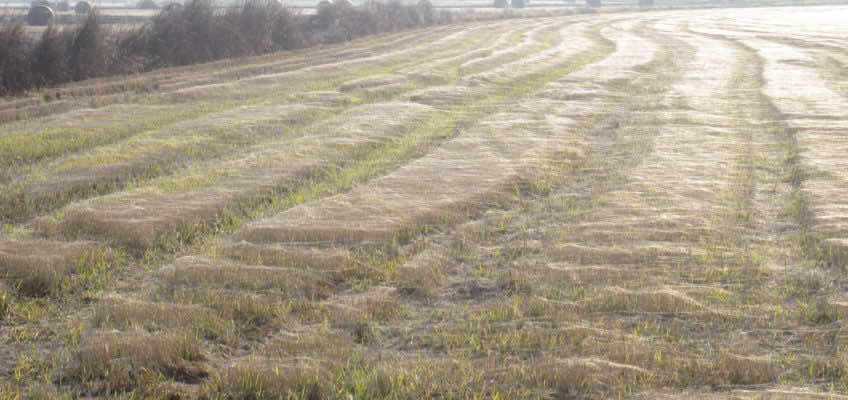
(40, 16)
(518, 3)
(147, 5)
(82, 7)
(173, 6)
(343, 3)
(323, 4)
(501, 3)
(63, 6)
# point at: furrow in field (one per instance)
(106, 91)
(814, 112)
(137, 219)
(487, 83)
(40, 268)
(23, 143)
(476, 171)
(578, 125)
(202, 189)
(149, 155)
(445, 68)
(301, 79)
(625, 257)
(801, 23)
(199, 281)
(268, 64)
(830, 60)
(161, 151)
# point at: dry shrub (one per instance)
(14, 54)
(422, 282)
(356, 323)
(48, 58)
(738, 370)
(88, 54)
(59, 55)
(122, 362)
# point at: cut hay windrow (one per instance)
(149, 155)
(630, 205)
(442, 69)
(529, 41)
(464, 176)
(637, 242)
(22, 144)
(815, 114)
(262, 65)
(138, 218)
(157, 317)
(654, 219)
(561, 46)
(481, 169)
(51, 186)
(297, 80)
(105, 91)
(187, 273)
(199, 197)
(40, 268)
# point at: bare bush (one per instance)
(14, 51)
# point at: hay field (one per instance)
(647, 205)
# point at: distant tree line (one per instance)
(196, 32)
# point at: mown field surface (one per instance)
(637, 205)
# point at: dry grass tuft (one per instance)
(39, 268)
(112, 363)
(159, 317)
